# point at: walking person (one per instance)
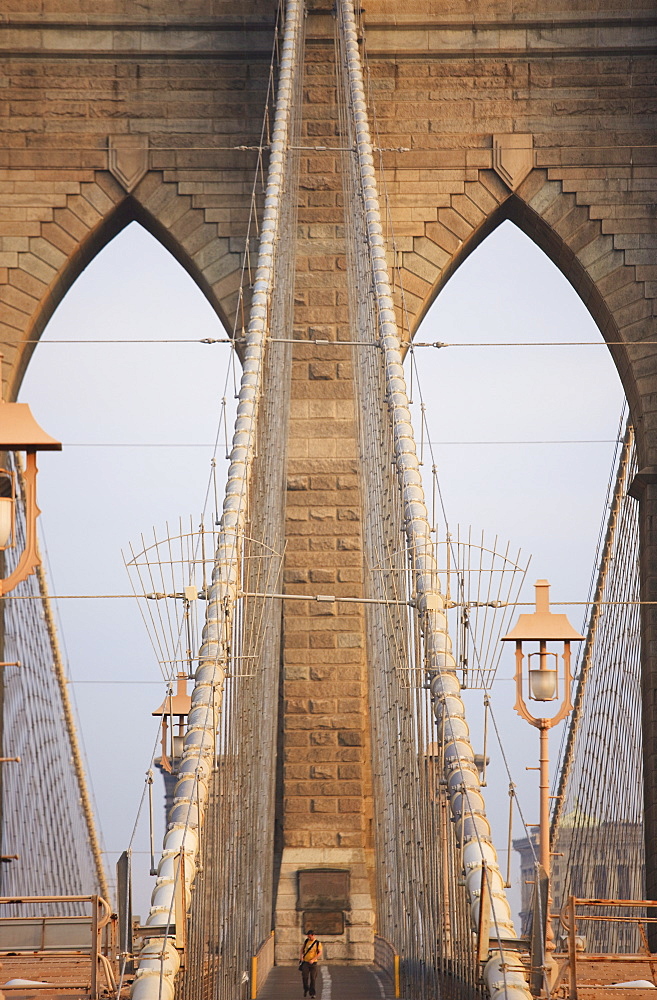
(311, 951)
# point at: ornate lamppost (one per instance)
(175, 706)
(19, 431)
(548, 677)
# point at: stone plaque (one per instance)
(324, 889)
(323, 922)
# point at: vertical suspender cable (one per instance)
(160, 959)
(591, 632)
(460, 768)
(69, 719)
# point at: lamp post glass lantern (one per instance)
(543, 684)
(7, 508)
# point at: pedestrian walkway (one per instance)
(334, 982)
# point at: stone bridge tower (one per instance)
(540, 111)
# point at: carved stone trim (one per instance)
(128, 159)
(513, 157)
(644, 478)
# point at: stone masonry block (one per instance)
(350, 738)
(350, 805)
(296, 838)
(319, 738)
(455, 223)
(297, 771)
(84, 210)
(297, 805)
(35, 266)
(323, 772)
(322, 673)
(17, 298)
(325, 838)
(323, 805)
(430, 250)
(549, 193)
(350, 640)
(494, 185)
(323, 706)
(324, 370)
(346, 544)
(300, 739)
(296, 706)
(604, 265)
(296, 672)
(350, 771)
(480, 195)
(468, 209)
(421, 267)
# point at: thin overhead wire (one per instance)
(408, 344)
(532, 343)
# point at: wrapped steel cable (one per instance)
(221, 827)
(418, 759)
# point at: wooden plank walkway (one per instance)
(334, 982)
(55, 969)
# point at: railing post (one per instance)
(94, 947)
(572, 949)
(395, 966)
(254, 977)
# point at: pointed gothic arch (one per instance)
(81, 224)
(602, 273)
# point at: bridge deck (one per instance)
(334, 982)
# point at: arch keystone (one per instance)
(513, 157)
(128, 159)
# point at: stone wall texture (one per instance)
(112, 113)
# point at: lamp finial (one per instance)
(542, 596)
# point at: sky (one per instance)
(523, 441)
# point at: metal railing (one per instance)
(386, 957)
(261, 965)
(63, 938)
(607, 963)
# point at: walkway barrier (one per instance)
(59, 948)
(387, 959)
(593, 973)
(261, 965)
